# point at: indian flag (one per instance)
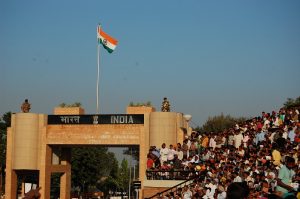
(108, 42)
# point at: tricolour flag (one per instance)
(108, 42)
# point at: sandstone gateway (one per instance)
(33, 141)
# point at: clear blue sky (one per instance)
(208, 57)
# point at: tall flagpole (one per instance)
(98, 71)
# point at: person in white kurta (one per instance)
(237, 139)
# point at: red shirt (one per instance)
(150, 163)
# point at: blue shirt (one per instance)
(260, 137)
(291, 135)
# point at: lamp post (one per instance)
(187, 119)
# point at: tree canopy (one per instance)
(90, 165)
(292, 103)
(220, 123)
(5, 121)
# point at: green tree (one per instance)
(5, 122)
(220, 123)
(134, 153)
(75, 104)
(292, 103)
(124, 175)
(119, 182)
(91, 165)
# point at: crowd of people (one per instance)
(258, 158)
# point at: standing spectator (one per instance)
(230, 138)
(276, 156)
(171, 153)
(163, 153)
(179, 152)
(185, 148)
(281, 141)
(291, 134)
(246, 139)
(260, 137)
(237, 139)
(212, 142)
(205, 141)
(193, 148)
(219, 140)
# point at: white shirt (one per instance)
(285, 135)
(180, 155)
(212, 143)
(222, 195)
(171, 154)
(187, 194)
(237, 179)
(164, 154)
(237, 138)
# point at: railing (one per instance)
(171, 175)
(174, 189)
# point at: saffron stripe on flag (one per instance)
(107, 37)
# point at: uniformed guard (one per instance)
(25, 106)
(165, 107)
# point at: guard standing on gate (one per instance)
(25, 106)
(165, 107)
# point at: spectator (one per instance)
(150, 162)
(193, 148)
(260, 137)
(285, 176)
(254, 166)
(212, 142)
(179, 152)
(221, 192)
(237, 190)
(281, 141)
(186, 194)
(230, 138)
(236, 177)
(237, 139)
(291, 134)
(163, 153)
(171, 153)
(276, 156)
(205, 141)
(185, 148)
